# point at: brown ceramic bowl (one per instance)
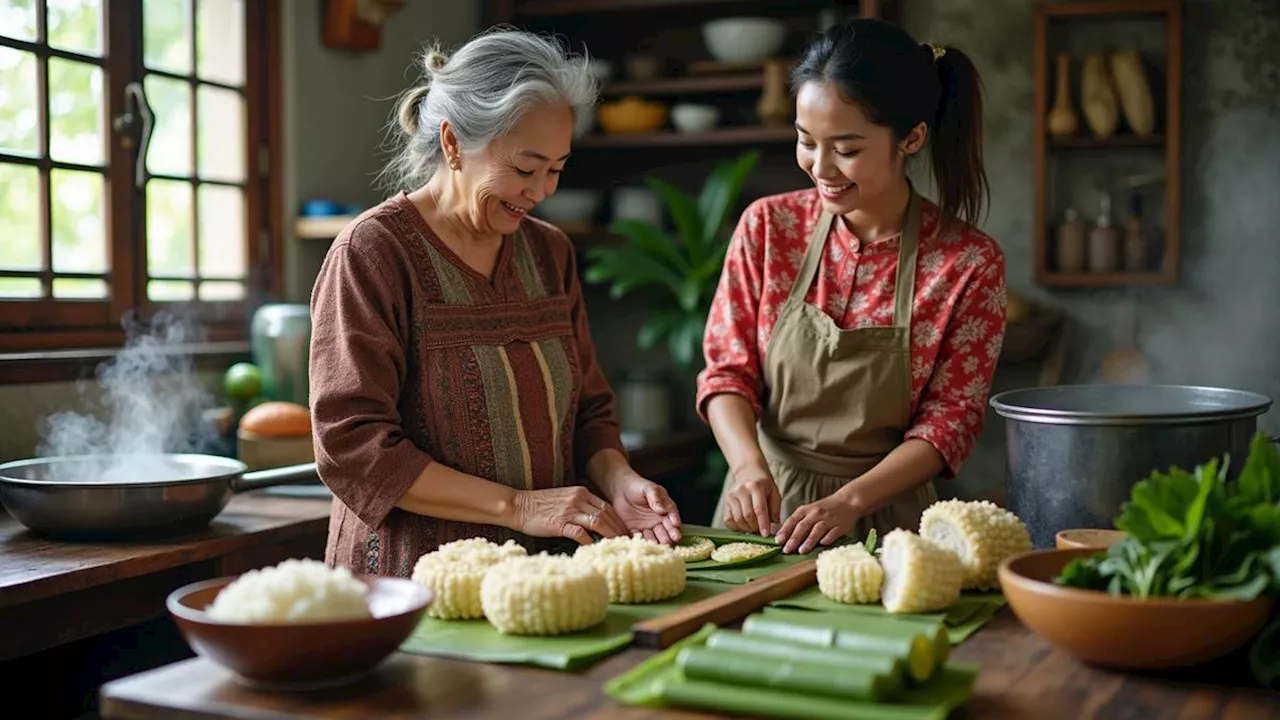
(1122, 632)
(300, 656)
(1097, 539)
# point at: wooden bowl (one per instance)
(1097, 539)
(1122, 632)
(301, 656)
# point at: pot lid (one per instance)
(1128, 404)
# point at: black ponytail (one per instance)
(900, 83)
(956, 147)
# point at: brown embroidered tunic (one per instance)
(417, 358)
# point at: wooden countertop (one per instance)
(1020, 677)
(55, 591)
(34, 567)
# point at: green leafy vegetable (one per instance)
(870, 543)
(1193, 534)
(1196, 535)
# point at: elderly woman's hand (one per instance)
(645, 507)
(565, 512)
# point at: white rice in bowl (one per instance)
(295, 591)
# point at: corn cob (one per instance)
(919, 575)
(735, 551)
(982, 534)
(849, 574)
(637, 570)
(453, 572)
(543, 595)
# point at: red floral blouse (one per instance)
(957, 321)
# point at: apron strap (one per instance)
(908, 251)
(904, 282)
(812, 255)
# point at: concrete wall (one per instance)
(1220, 326)
(337, 106)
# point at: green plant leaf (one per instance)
(657, 328)
(652, 240)
(719, 195)
(684, 214)
(685, 341)
(1259, 480)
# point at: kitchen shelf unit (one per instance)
(1054, 23)
(671, 30)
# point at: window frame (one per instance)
(47, 340)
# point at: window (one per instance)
(88, 234)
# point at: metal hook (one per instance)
(137, 112)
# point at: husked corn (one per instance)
(693, 549)
(543, 595)
(919, 574)
(982, 534)
(735, 551)
(850, 574)
(637, 570)
(454, 571)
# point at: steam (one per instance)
(151, 404)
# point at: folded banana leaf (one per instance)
(479, 641)
(970, 613)
(721, 536)
(658, 683)
(710, 564)
(751, 571)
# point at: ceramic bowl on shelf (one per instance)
(744, 39)
(304, 655)
(1119, 631)
(631, 115)
(601, 70)
(694, 118)
(571, 205)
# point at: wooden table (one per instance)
(1021, 677)
(53, 592)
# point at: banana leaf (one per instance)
(746, 573)
(720, 536)
(967, 616)
(710, 564)
(657, 683)
(479, 641)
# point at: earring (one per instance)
(455, 164)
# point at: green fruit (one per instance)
(242, 381)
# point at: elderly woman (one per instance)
(454, 386)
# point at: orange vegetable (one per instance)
(277, 419)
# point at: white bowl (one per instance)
(691, 118)
(744, 39)
(602, 70)
(569, 205)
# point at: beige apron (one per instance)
(839, 400)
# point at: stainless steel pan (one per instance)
(67, 497)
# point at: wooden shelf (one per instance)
(322, 227)
(687, 85)
(1115, 141)
(1055, 26)
(1117, 279)
(536, 8)
(723, 136)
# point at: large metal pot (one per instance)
(153, 496)
(1074, 452)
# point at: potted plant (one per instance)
(684, 266)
